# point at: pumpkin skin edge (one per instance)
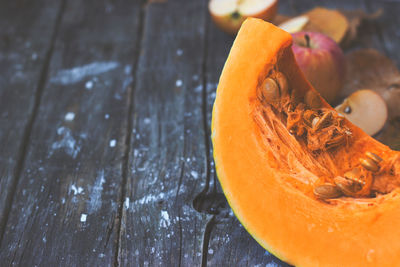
(257, 197)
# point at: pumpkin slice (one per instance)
(308, 185)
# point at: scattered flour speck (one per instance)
(210, 251)
(107, 116)
(76, 190)
(95, 193)
(164, 222)
(113, 142)
(179, 52)
(77, 74)
(70, 116)
(127, 200)
(67, 143)
(34, 56)
(178, 83)
(146, 121)
(83, 217)
(128, 69)
(198, 88)
(194, 174)
(89, 85)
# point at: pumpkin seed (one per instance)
(323, 121)
(373, 156)
(369, 164)
(312, 99)
(354, 175)
(327, 191)
(314, 121)
(335, 142)
(268, 91)
(347, 186)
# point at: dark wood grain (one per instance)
(167, 167)
(26, 33)
(106, 157)
(66, 203)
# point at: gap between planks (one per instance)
(131, 108)
(28, 128)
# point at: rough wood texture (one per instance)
(167, 167)
(67, 199)
(26, 34)
(106, 116)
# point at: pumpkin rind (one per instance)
(287, 222)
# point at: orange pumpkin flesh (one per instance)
(268, 174)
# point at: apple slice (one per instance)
(366, 109)
(230, 14)
(295, 24)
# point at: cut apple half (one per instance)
(295, 24)
(254, 7)
(366, 109)
(230, 14)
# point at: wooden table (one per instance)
(105, 115)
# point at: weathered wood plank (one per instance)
(167, 168)
(69, 191)
(26, 34)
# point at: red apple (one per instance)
(230, 14)
(322, 62)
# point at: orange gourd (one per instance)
(308, 185)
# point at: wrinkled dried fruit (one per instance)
(355, 19)
(327, 21)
